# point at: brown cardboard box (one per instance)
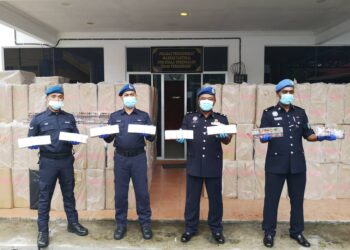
(229, 179)
(80, 150)
(16, 77)
(335, 104)
(88, 98)
(6, 198)
(71, 98)
(110, 189)
(95, 189)
(230, 102)
(6, 146)
(6, 103)
(96, 154)
(20, 95)
(244, 142)
(20, 186)
(106, 97)
(37, 98)
(246, 180)
(20, 155)
(343, 182)
(266, 97)
(247, 103)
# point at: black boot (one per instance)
(119, 233)
(147, 232)
(268, 240)
(186, 237)
(43, 239)
(301, 240)
(219, 238)
(77, 228)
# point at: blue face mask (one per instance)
(56, 105)
(287, 99)
(206, 105)
(129, 101)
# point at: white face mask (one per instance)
(56, 105)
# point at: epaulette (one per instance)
(269, 108)
(220, 114)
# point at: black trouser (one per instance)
(193, 195)
(51, 170)
(273, 189)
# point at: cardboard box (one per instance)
(96, 152)
(20, 95)
(246, 180)
(247, 103)
(230, 102)
(6, 146)
(343, 182)
(95, 189)
(71, 98)
(229, 150)
(244, 142)
(16, 77)
(110, 189)
(20, 186)
(6, 103)
(229, 179)
(265, 97)
(106, 97)
(37, 98)
(335, 104)
(80, 150)
(88, 98)
(6, 198)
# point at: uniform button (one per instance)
(291, 137)
(204, 141)
(204, 133)
(278, 124)
(287, 115)
(290, 130)
(275, 153)
(289, 122)
(203, 156)
(205, 126)
(291, 144)
(291, 152)
(203, 148)
(205, 120)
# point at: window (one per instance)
(140, 78)
(214, 78)
(77, 64)
(138, 59)
(215, 59)
(308, 64)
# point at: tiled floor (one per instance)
(168, 191)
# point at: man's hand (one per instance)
(33, 147)
(103, 136)
(74, 142)
(330, 137)
(265, 138)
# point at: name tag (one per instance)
(67, 122)
(277, 118)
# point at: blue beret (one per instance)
(127, 87)
(284, 83)
(54, 89)
(206, 90)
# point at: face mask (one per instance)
(129, 101)
(56, 105)
(287, 99)
(206, 105)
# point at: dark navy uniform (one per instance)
(55, 162)
(285, 160)
(204, 164)
(130, 162)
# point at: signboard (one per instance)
(177, 59)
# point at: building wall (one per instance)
(253, 46)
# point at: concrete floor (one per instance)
(19, 234)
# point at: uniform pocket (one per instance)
(67, 127)
(45, 128)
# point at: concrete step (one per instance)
(19, 234)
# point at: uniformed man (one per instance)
(130, 162)
(55, 162)
(204, 165)
(285, 161)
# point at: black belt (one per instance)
(130, 152)
(56, 155)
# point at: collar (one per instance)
(280, 107)
(211, 114)
(49, 112)
(135, 111)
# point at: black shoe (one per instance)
(147, 232)
(301, 240)
(77, 228)
(186, 237)
(43, 239)
(268, 240)
(219, 238)
(119, 233)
